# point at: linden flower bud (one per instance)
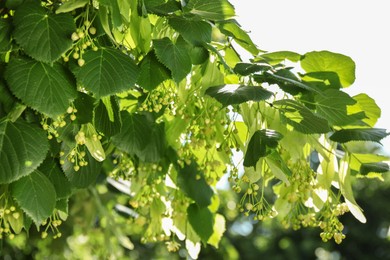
(76, 168)
(44, 235)
(92, 30)
(75, 36)
(69, 110)
(81, 62)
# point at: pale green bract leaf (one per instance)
(276, 170)
(71, 5)
(36, 195)
(174, 56)
(23, 147)
(107, 71)
(326, 61)
(211, 10)
(43, 36)
(48, 89)
(346, 190)
(92, 142)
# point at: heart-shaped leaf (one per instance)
(174, 56)
(153, 73)
(48, 89)
(107, 71)
(43, 35)
(23, 147)
(195, 32)
(36, 196)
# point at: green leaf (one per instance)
(43, 35)
(23, 147)
(153, 73)
(284, 79)
(333, 106)
(194, 185)
(48, 89)
(301, 118)
(260, 144)
(199, 55)
(278, 167)
(134, 135)
(274, 58)
(84, 104)
(232, 29)
(5, 35)
(358, 159)
(7, 100)
(236, 94)
(162, 7)
(379, 167)
(216, 10)
(86, 175)
(347, 135)
(326, 61)
(174, 56)
(368, 106)
(36, 195)
(53, 172)
(141, 136)
(194, 32)
(246, 69)
(71, 5)
(106, 116)
(13, 4)
(107, 71)
(201, 220)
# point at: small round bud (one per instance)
(81, 62)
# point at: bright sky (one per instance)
(357, 28)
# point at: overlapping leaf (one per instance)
(201, 220)
(71, 5)
(379, 167)
(195, 32)
(301, 118)
(211, 10)
(53, 172)
(246, 69)
(23, 147)
(326, 61)
(106, 116)
(333, 105)
(43, 35)
(260, 144)
(174, 56)
(141, 136)
(347, 135)
(36, 195)
(5, 36)
(231, 28)
(153, 73)
(107, 71)
(236, 94)
(48, 89)
(86, 175)
(194, 185)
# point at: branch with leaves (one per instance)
(154, 94)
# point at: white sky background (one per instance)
(356, 28)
